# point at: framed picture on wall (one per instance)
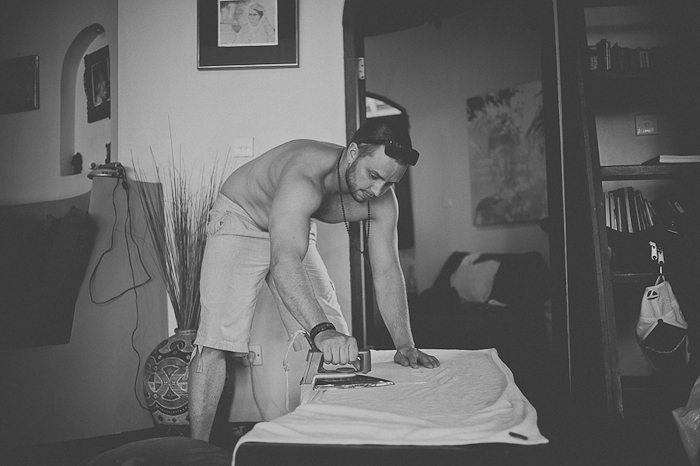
(19, 84)
(247, 34)
(96, 80)
(507, 158)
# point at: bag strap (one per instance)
(670, 351)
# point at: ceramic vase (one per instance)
(165, 379)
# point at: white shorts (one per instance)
(236, 262)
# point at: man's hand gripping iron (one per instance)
(343, 377)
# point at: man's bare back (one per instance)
(254, 185)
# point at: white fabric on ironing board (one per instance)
(471, 398)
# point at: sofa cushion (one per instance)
(63, 274)
(474, 279)
(521, 280)
(41, 272)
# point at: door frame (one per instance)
(362, 300)
(361, 292)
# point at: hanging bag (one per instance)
(662, 332)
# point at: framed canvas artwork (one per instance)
(507, 158)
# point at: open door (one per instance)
(364, 18)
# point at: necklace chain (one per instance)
(342, 207)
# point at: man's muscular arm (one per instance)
(389, 284)
(296, 199)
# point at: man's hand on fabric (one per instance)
(414, 358)
(337, 348)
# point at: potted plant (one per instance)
(176, 212)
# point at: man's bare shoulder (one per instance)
(308, 150)
(305, 158)
(302, 173)
(297, 169)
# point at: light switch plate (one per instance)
(243, 147)
(646, 125)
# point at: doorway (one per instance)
(432, 62)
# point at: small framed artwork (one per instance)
(96, 80)
(19, 84)
(247, 34)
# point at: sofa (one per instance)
(491, 300)
(44, 249)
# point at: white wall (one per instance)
(432, 72)
(155, 48)
(156, 86)
(161, 86)
(86, 387)
(30, 141)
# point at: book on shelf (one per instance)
(661, 159)
(593, 57)
(626, 58)
(642, 57)
(618, 211)
(602, 48)
(628, 211)
(615, 57)
(669, 212)
(631, 211)
(650, 212)
(639, 206)
(604, 56)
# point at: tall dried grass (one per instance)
(176, 214)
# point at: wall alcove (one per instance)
(76, 134)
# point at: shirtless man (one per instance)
(262, 228)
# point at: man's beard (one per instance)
(351, 180)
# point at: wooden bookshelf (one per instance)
(649, 172)
(599, 109)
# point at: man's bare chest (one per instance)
(331, 210)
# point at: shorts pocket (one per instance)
(217, 219)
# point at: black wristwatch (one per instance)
(322, 327)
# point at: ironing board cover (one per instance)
(471, 398)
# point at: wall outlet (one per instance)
(257, 350)
(646, 125)
(243, 147)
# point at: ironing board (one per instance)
(468, 409)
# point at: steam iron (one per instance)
(321, 378)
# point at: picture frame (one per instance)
(240, 34)
(96, 80)
(507, 160)
(19, 84)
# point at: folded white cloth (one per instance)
(471, 398)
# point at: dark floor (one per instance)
(649, 436)
(648, 441)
